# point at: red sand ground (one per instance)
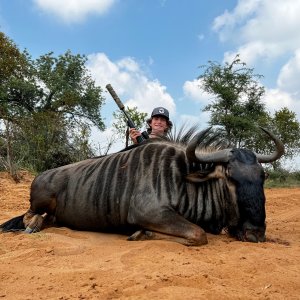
(59, 263)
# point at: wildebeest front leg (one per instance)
(144, 235)
(170, 226)
(32, 222)
(42, 202)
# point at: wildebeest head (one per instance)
(244, 176)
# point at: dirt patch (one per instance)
(59, 263)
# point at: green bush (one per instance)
(297, 175)
(282, 178)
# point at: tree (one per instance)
(12, 61)
(34, 93)
(53, 143)
(287, 127)
(120, 125)
(238, 108)
(68, 88)
(237, 105)
(13, 67)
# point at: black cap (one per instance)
(160, 111)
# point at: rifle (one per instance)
(130, 123)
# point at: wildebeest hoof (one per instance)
(149, 234)
(32, 230)
(136, 236)
(34, 224)
(28, 230)
(141, 235)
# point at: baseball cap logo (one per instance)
(161, 110)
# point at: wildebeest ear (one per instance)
(201, 176)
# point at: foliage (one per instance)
(13, 66)
(53, 84)
(12, 61)
(68, 89)
(53, 143)
(237, 105)
(239, 110)
(282, 178)
(120, 125)
(288, 129)
(48, 105)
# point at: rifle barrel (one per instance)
(115, 96)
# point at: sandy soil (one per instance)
(59, 263)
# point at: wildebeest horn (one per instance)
(224, 155)
(276, 154)
(217, 156)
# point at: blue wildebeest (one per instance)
(158, 190)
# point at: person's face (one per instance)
(159, 125)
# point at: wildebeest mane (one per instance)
(212, 140)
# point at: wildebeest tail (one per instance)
(14, 224)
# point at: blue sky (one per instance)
(150, 51)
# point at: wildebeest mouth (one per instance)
(249, 233)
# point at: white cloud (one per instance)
(276, 99)
(228, 22)
(130, 83)
(265, 33)
(191, 90)
(129, 64)
(72, 11)
(261, 28)
(201, 119)
(252, 51)
(101, 140)
(288, 79)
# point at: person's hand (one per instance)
(133, 133)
